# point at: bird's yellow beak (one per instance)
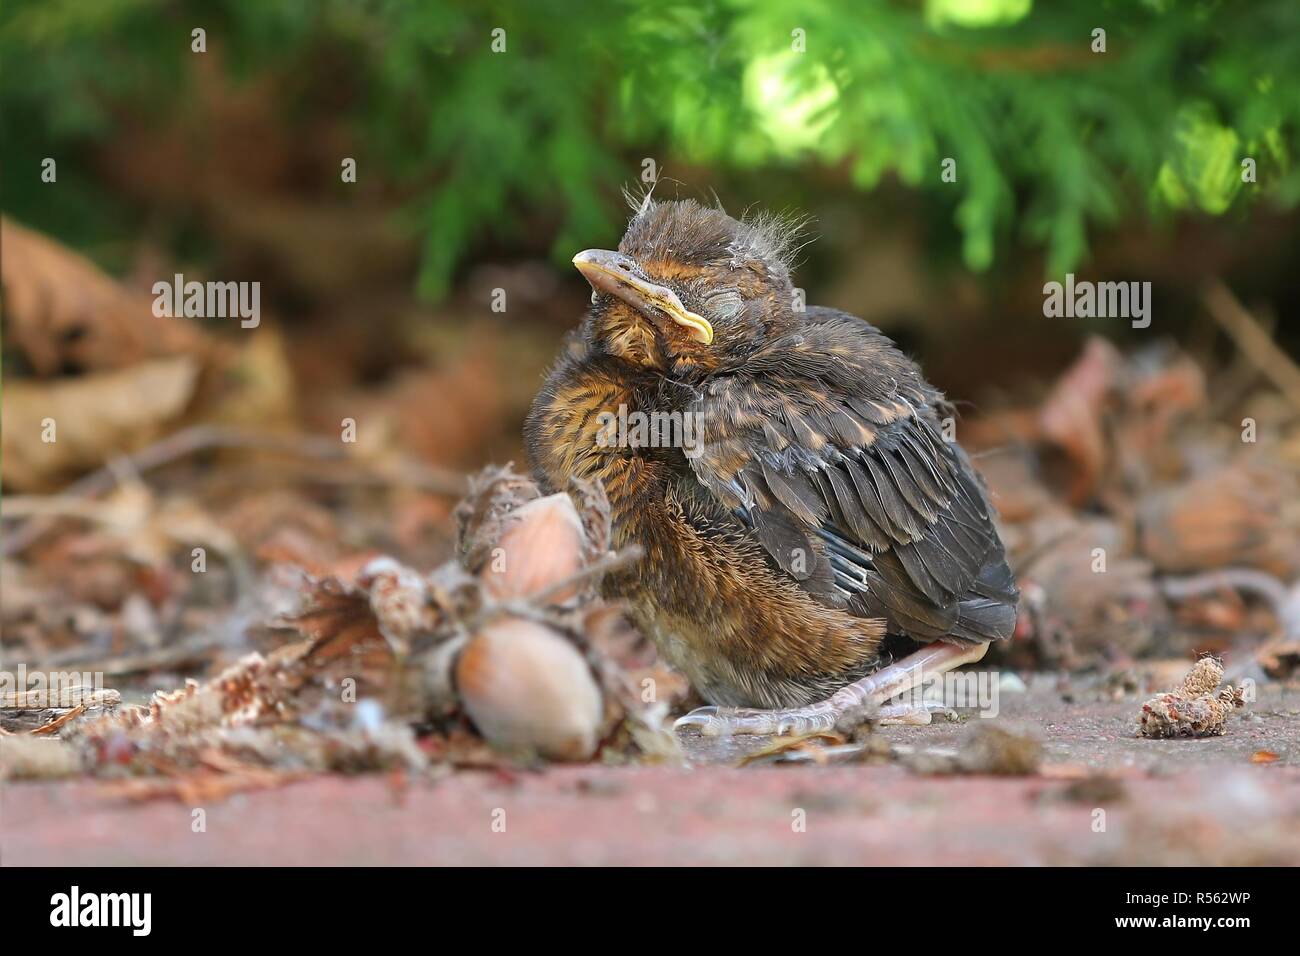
(619, 275)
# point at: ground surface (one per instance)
(1164, 802)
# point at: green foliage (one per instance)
(1050, 138)
(1201, 169)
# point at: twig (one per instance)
(173, 655)
(1232, 579)
(43, 712)
(58, 722)
(199, 438)
(350, 474)
(1251, 338)
(1284, 602)
(53, 506)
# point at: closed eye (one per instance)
(725, 304)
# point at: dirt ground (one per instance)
(1104, 797)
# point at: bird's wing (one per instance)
(857, 465)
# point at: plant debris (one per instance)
(985, 748)
(1193, 709)
(514, 650)
(42, 712)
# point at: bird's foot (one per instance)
(868, 695)
(725, 721)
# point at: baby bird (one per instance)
(784, 470)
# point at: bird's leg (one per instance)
(868, 693)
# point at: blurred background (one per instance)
(491, 142)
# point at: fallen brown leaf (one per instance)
(62, 311)
(89, 419)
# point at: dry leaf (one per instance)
(90, 419)
(62, 311)
(1235, 516)
(1071, 417)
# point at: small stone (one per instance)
(1010, 683)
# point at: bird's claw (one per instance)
(726, 721)
(699, 717)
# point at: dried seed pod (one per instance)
(1192, 710)
(399, 598)
(481, 518)
(543, 545)
(526, 688)
(1204, 678)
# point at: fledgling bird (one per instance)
(816, 507)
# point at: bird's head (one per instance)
(690, 290)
